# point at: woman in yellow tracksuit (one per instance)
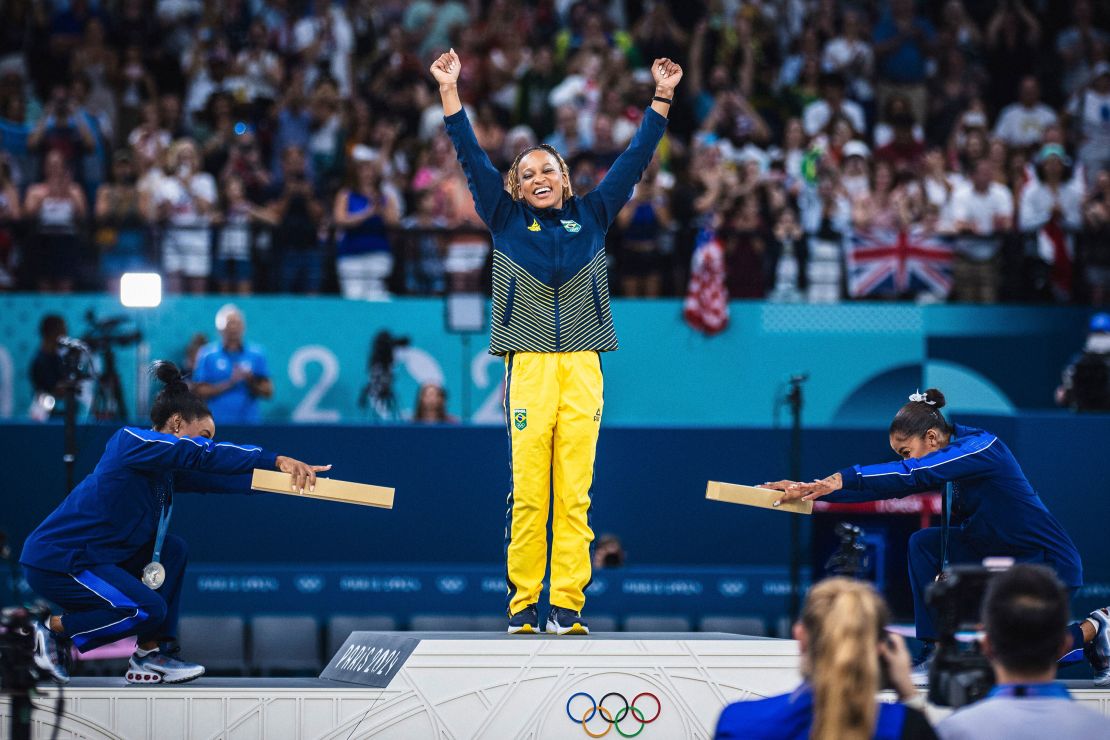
(551, 320)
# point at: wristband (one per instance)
(660, 99)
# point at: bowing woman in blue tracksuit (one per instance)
(995, 511)
(103, 555)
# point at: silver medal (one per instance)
(154, 575)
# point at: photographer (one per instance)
(845, 652)
(1025, 616)
(47, 371)
(232, 375)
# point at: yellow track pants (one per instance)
(553, 404)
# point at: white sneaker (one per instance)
(157, 667)
(1100, 646)
(49, 656)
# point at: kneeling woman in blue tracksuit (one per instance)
(995, 511)
(103, 555)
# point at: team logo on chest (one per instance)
(535, 225)
(520, 418)
(572, 226)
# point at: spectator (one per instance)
(608, 552)
(63, 129)
(820, 113)
(1078, 45)
(1013, 43)
(149, 140)
(120, 234)
(9, 217)
(236, 218)
(903, 42)
(844, 649)
(1051, 208)
(1089, 109)
(904, 151)
(1022, 124)
(232, 375)
(1025, 618)
(644, 222)
(850, 55)
(983, 211)
(431, 405)
(184, 201)
(1095, 240)
(1085, 384)
(59, 209)
(259, 68)
(364, 213)
(297, 213)
(324, 39)
(425, 249)
(135, 89)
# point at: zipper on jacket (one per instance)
(597, 297)
(557, 278)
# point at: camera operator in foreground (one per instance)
(103, 554)
(845, 652)
(1025, 617)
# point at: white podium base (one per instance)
(454, 685)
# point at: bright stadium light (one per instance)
(140, 289)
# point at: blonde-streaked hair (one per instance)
(512, 182)
(844, 620)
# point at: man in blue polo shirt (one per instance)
(1025, 616)
(232, 375)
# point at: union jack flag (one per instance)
(898, 263)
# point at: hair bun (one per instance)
(170, 375)
(935, 397)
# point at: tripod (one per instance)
(108, 403)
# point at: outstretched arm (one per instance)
(896, 479)
(486, 184)
(615, 189)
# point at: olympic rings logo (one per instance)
(598, 708)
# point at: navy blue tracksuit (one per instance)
(88, 554)
(995, 511)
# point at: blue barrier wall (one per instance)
(650, 486)
(862, 359)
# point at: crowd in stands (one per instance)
(871, 149)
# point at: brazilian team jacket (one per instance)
(550, 285)
(993, 503)
(113, 513)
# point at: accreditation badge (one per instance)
(154, 575)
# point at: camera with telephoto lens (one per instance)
(108, 332)
(18, 670)
(960, 673)
(850, 558)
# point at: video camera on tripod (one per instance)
(960, 673)
(377, 394)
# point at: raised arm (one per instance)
(607, 199)
(486, 184)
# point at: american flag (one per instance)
(898, 263)
(706, 304)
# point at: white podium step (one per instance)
(454, 685)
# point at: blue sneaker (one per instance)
(50, 656)
(562, 621)
(1098, 650)
(919, 671)
(525, 622)
(157, 667)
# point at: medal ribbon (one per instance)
(163, 524)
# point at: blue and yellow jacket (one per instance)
(550, 284)
(113, 512)
(993, 502)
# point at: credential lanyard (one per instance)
(946, 517)
(163, 526)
